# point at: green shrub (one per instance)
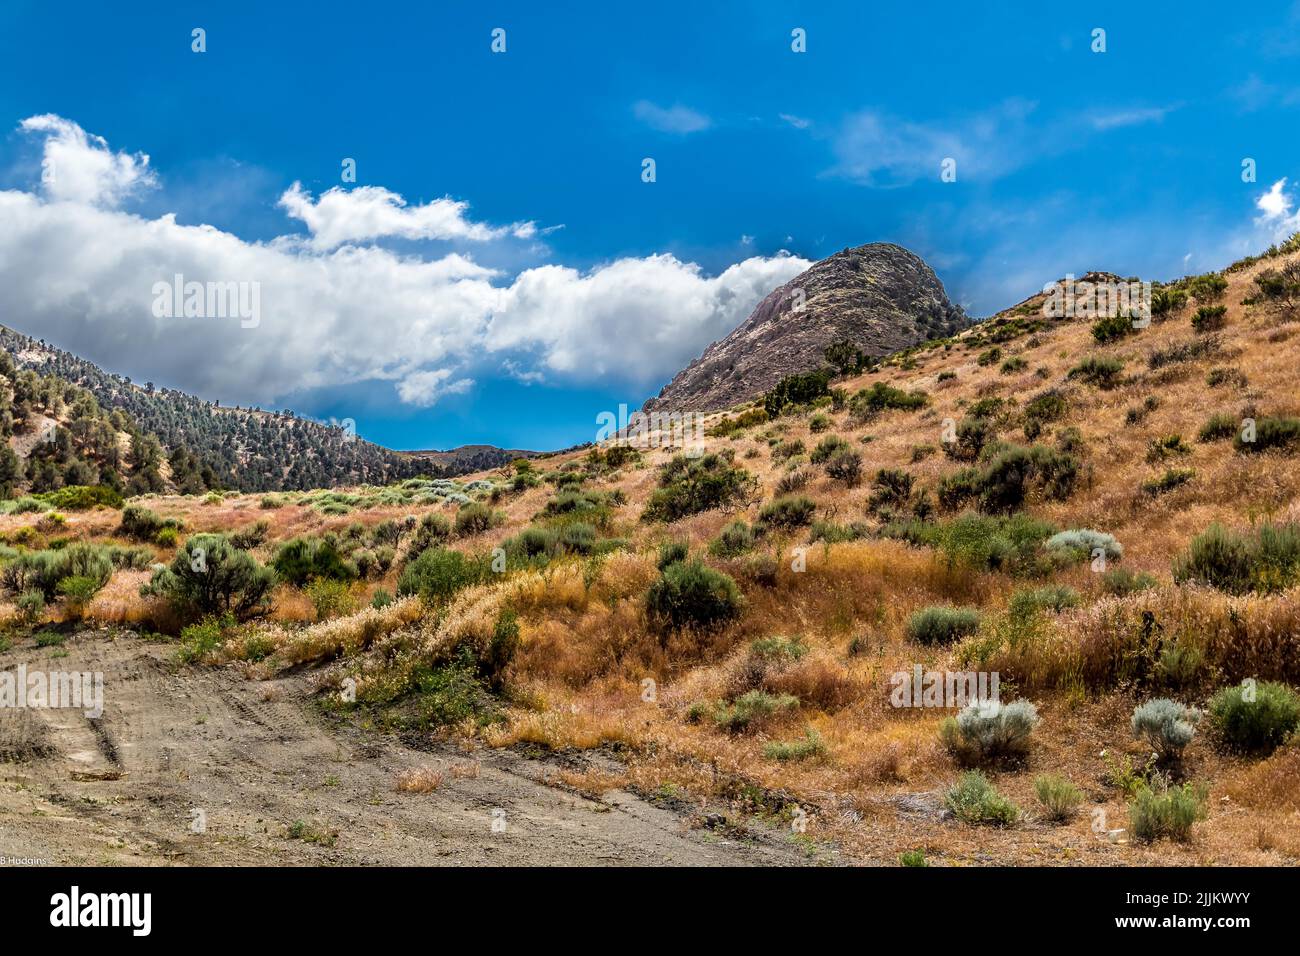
(1053, 597)
(689, 486)
(811, 745)
(783, 649)
(1270, 433)
(304, 559)
(1011, 474)
(1165, 300)
(1254, 726)
(938, 625)
(829, 532)
(975, 801)
(1013, 365)
(330, 597)
(1219, 428)
(787, 449)
(1208, 287)
(791, 511)
(793, 481)
(869, 402)
(1218, 377)
(250, 536)
(199, 640)
(892, 488)
(913, 858)
(1011, 543)
(433, 529)
(799, 389)
(31, 607)
(1184, 351)
(827, 447)
(1266, 558)
(819, 423)
(439, 573)
(1165, 447)
(735, 539)
(578, 537)
(210, 576)
(989, 731)
(691, 594)
(1082, 543)
(140, 523)
(166, 538)
(1112, 328)
(671, 552)
(1171, 479)
(1165, 725)
(1167, 813)
(1059, 797)
(973, 433)
(77, 592)
(475, 518)
(1101, 371)
(43, 570)
(747, 711)
(83, 497)
(1124, 581)
(591, 506)
(1209, 318)
(846, 466)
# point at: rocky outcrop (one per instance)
(879, 296)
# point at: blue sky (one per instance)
(567, 285)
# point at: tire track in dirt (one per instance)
(202, 767)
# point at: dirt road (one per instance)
(202, 767)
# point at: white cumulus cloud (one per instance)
(77, 167)
(423, 389)
(371, 212)
(1277, 213)
(76, 269)
(672, 119)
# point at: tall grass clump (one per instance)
(1059, 797)
(1265, 558)
(1167, 813)
(974, 800)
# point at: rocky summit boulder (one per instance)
(880, 297)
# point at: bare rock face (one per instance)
(879, 296)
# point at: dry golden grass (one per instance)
(419, 780)
(587, 651)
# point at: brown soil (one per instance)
(255, 758)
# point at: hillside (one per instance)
(876, 299)
(243, 448)
(718, 639)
